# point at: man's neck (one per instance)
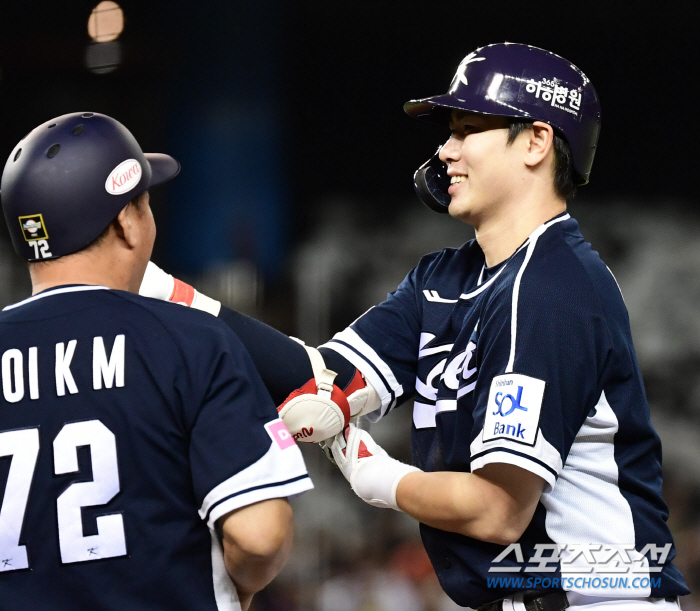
(501, 234)
(82, 268)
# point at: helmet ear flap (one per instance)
(431, 183)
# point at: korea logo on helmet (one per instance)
(124, 177)
(33, 227)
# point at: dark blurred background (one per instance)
(295, 202)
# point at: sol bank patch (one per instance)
(513, 410)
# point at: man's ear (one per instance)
(540, 142)
(125, 226)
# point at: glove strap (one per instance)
(323, 377)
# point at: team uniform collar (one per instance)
(488, 275)
(57, 290)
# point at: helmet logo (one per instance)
(553, 92)
(461, 74)
(33, 227)
(124, 177)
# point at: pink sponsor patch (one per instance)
(279, 433)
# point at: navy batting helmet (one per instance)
(513, 80)
(68, 179)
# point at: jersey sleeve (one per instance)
(542, 344)
(383, 343)
(240, 451)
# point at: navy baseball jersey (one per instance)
(528, 363)
(128, 426)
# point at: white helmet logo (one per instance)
(461, 74)
(124, 177)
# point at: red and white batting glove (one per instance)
(372, 473)
(160, 285)
(319, 409)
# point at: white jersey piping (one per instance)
(67, 289)
(531, 243)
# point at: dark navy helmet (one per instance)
(513, 80)
(69, 178)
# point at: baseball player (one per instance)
(143, 463)
(536, 471)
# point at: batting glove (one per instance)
(372, 473)
(319, 410)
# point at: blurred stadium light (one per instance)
(104, 26)
(106, 22)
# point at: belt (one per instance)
(556, 601)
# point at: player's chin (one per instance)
(459, 209)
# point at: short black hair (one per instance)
(137, 202)
(564, 173)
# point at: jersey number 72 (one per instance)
(23, 446)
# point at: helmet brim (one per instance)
(163, 168)
(436, 109)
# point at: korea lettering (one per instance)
(124, 177)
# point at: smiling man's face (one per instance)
(482, 166)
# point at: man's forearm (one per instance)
(470, 504)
